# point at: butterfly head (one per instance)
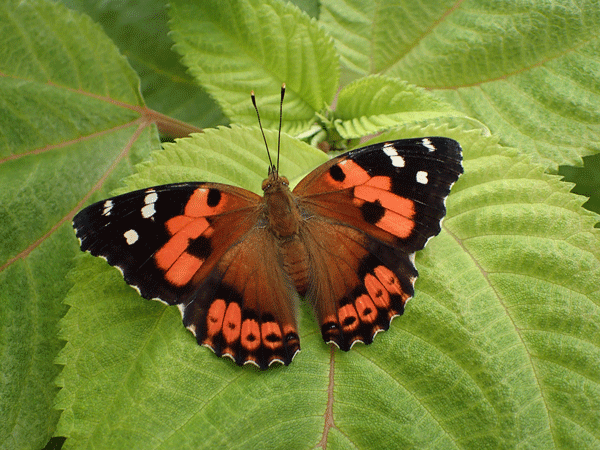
(274, 182)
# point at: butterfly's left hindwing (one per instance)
(376, 206)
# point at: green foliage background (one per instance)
(500, 346)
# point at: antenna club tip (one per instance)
(282, 85)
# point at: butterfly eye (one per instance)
(285, 181)
(265, 184)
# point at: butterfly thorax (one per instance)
(280, 208)
(284, 220)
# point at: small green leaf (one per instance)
(237, 46)
(377, 103)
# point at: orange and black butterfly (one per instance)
(234, 262)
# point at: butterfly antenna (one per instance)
(271, 167)
(280, 118)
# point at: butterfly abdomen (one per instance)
(295, 262)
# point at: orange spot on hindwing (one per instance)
(232, 323)
(367, 312)
(230, 330)
(388, 279)
(250, 335)
(271, 335)
(214, 320)
(377, 291)
(348, 318)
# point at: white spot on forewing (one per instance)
(148, 211)
(150, 197)
(131, 237)
(108, 204)
(427, 143)
(397, 160)
(422, 177)
(389, 149)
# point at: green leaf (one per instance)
(69, 126)
(235, 155)
(529, 72)
(236, 46)
(587, 179)
(498, 348)
(377, 103)
(140, 30)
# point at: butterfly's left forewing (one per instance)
(163, 238)
(367, 212)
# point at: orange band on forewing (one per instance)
(389, 201)
(377, 292)
(398, 210)
(188, 225)
(250, 335)
(197, 205)
(166, 256)
(383, 183)
(353, 175)
(365, 308)
(396, 224)
(214, 317)
(176, 223)
(169, 253)
(183, 269)
(232, 324)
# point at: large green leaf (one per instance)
(140, 30)
(235, 46)
(498, 348)
(528, 70)
(69, 119)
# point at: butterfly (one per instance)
(234, 262)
